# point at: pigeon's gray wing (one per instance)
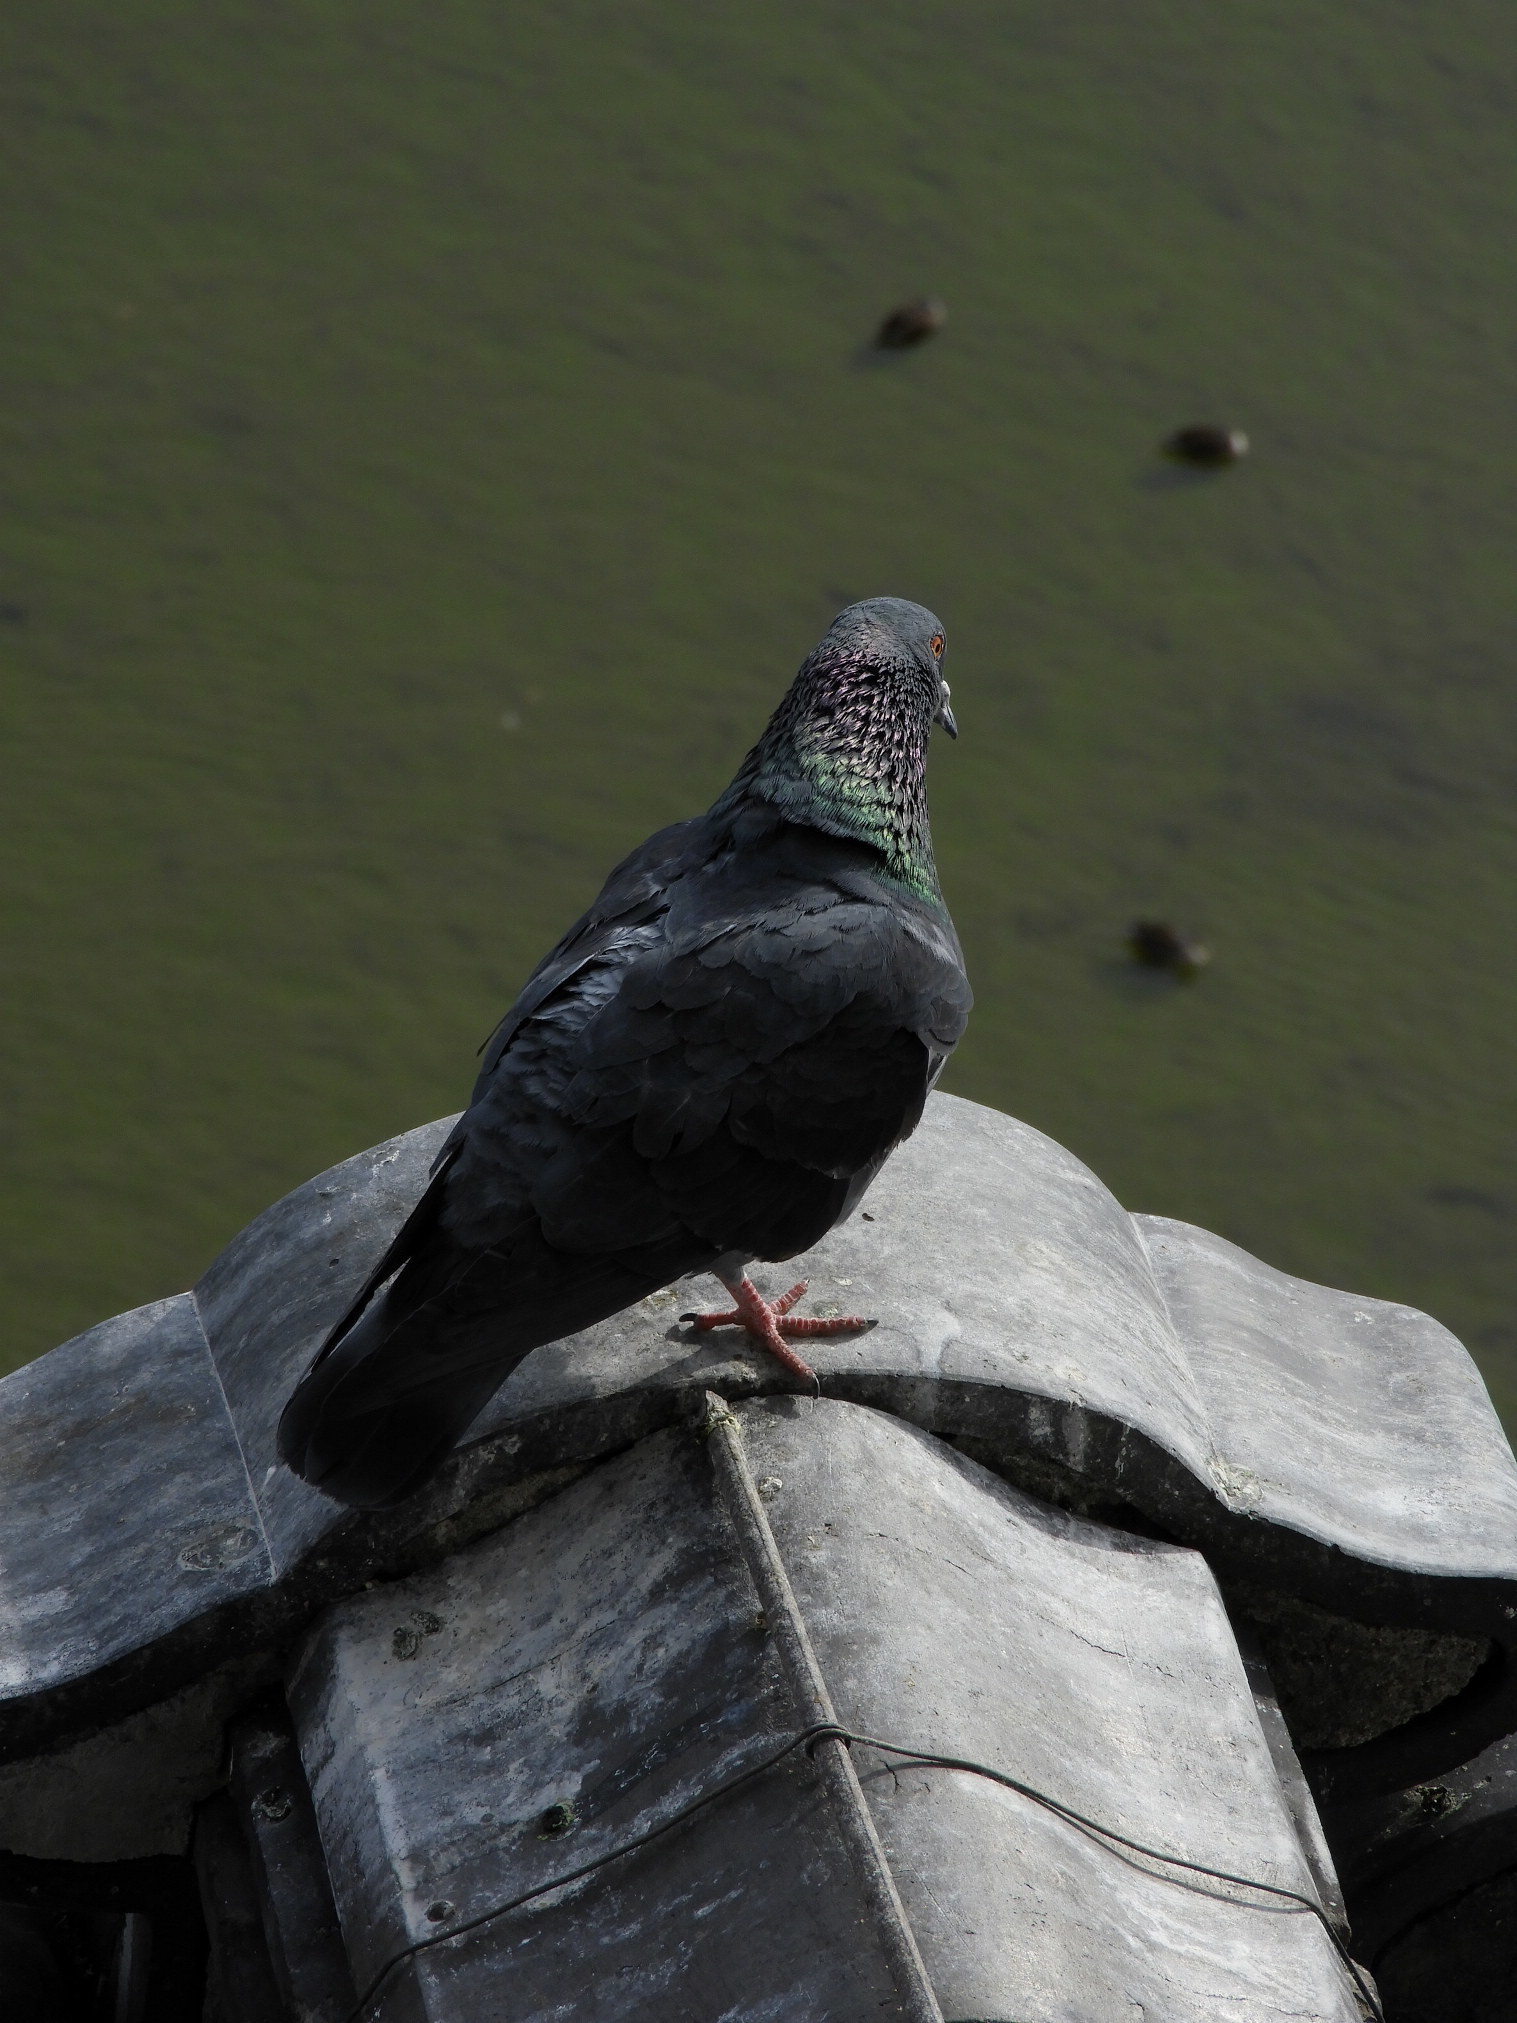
(755, 1070)
(636, 891)
(715, 1076)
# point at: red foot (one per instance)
(764, 1320)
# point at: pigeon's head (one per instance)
(846, 751)
(900, 638)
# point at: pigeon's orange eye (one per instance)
(936, 643)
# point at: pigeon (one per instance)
(711, 1067)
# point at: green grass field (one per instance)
(430, 437)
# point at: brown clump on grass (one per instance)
(1206, 445)
(1158, 945)
(912, 323)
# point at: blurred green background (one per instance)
(430, 437)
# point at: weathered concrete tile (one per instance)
(1285, 1427)
(992, 1258)
(130, 1788)
(951, 1613)
(269, 1299)
(304, 1947)
(1334, 1448)
(1355, 1421)
(1406, 1854)
(602, 1653)
(128, 1517)
(1364, 1467)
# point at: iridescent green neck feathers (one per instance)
(846, 752)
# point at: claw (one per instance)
(765, 1320)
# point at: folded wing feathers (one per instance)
(717, 1057)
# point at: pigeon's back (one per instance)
(710, 1067)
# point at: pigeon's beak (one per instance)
(945, 715)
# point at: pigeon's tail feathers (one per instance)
(360, 1437)
(402, 1247)
(395, 1388)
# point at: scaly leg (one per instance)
(765, 1320)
